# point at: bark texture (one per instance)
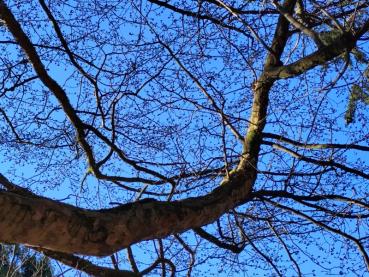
(56, 226)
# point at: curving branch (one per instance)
(316, 145)
(313, 198)
(305, 200)
(42, 222)
(345, 43)
(209, 237)
(85, 265)
(329, 163)
(298, 270)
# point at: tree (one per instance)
(179, 132)
(18, 261)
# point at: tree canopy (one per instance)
(176, 137)
(20, 262)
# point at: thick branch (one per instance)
(345, 43)
(261, 90)
(41, 222)
(85, 265)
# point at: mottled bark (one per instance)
(56, 226)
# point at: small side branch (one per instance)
(85, 265)
(356, 241)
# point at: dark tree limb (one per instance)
(85, 265)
